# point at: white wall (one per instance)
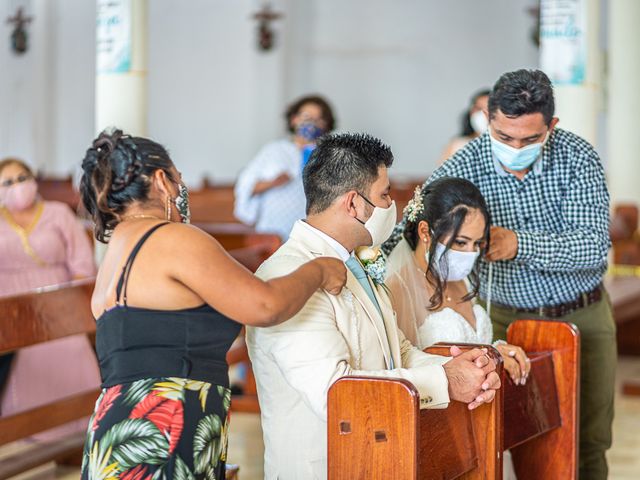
(74, 70)
(212, 98)
(46, 95)
(400, 69)
(25, 86)
(405, 69)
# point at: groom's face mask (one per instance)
(381, 222)
(382, 219)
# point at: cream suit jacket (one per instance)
(296, 362)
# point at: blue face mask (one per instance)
(309, 131)
(517, 159)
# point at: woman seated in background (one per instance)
(42, 243)
(169, 301)
(474, 124)
(433, 274)
(269, 191)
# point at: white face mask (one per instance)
(455, 264)
(381, 223)
(479, 122)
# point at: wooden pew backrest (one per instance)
(31, 319)
(376, 430)
(60, 189)
(46, 314)
(486, 421)
(378, 418)
(534, 405)
(212, 204)
(233, 236)
(555, 453)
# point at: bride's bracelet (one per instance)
(499, 342)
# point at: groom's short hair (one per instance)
(341, 163)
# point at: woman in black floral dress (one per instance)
(165, 323)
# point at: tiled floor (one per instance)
(246, 449)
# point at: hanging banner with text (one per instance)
(563, 46)
(113, 36)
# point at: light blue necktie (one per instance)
(358, 271)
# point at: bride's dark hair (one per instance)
(445, 205)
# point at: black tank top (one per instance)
(135, 343)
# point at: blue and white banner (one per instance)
(113, 36)
(563, 43)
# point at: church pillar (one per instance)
(121, 75)
(624, 101)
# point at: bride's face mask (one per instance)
(455, 265)
(457, 262)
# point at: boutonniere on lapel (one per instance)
(374, 263)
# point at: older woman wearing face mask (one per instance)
(41, 243)
(269, 191)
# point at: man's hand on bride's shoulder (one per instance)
(472, 377)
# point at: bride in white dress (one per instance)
(433, 278)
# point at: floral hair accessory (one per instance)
(373, 262)
(415, 206)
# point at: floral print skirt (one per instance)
(158, 428)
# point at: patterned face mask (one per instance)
(182, 203)
(309, 131)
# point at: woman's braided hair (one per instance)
(117, 170)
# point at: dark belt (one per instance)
(557, 311)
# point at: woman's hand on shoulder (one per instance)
(334, 274)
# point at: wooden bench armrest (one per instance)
(39, 419)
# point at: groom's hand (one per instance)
(472, 377)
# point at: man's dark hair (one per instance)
(325, 109)
(523, 92)
(341, 163)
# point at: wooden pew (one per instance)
(233, 236)
(34, 318)
(212, 203)
(60, 189)
(30, 319)
(376, 429)
(624, 291)
(548, 453)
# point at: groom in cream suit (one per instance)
(355, 333)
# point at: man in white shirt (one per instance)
(355, 333)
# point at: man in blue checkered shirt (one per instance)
(548, 199)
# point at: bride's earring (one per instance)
(168, 208)
(426, 250)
